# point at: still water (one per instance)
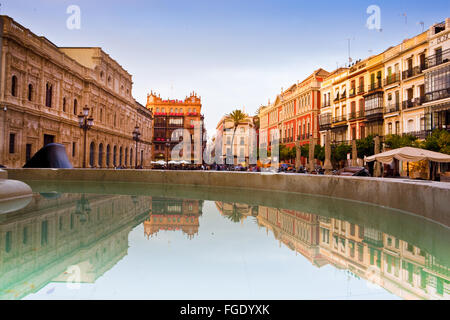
(139, 241)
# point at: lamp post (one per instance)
(136, 137)
(167, 153)
(86, 122)
(83, 208)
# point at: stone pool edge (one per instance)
(428, 199)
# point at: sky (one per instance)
(234, 53)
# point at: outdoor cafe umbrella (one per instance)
(408, 154)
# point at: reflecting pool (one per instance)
(143, 241)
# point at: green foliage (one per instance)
(438, 141)
(304, 150)
(319, 152)
(394, 141)
(365, 147)
(339, 152)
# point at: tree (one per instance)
(340, 152)
(319, 152)
(394, 141)
(236, 215)
(365, 147)
(237, 116)
(438, 141)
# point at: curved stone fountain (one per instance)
(14, 195)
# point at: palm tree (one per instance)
(237, 116)
(235, 216)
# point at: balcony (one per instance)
(437, 59)
(361, 89)
(352, 92)
(423, 134)
(356, 115)
(339, 119)
(413, 103)
(394, 78)
(326, 104)
(343, 96)
(392, 107)
(325, 121)
(437, 95)
(374, 113)
(337, 98)
(412, 72)
(375, 86)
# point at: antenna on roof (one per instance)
(349, 56)
(421, 23)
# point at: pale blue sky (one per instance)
(234, 53)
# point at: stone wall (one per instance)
(427, 199)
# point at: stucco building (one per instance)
(43, 89)
(169, 117)
(237, 150)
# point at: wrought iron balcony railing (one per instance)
(437, 95)
(374, 112)
(352, 92)
(412, 72)
(393, 78)
(437, 59)
(356, 115)
(392, 107)
(375, 86)
(361, 89)
(339, 119)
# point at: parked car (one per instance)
(354, 171)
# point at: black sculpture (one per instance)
(52, 155)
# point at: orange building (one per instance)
(174, 215)
(170, 115)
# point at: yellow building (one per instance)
(412, 86)
(374, 97)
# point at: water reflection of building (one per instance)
(39, 243)
(172, 215)
(236, 212)
(394, 264)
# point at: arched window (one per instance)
(30, 92)
(100, 155)
(115, 156)
(64, 104)
(126, 157)
(14, 86)
(92, 154)
(142, 157)
(120, 156)
(75, 107)
(48, 95)
(108, 154)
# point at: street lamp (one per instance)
(83, 208)
(136, 137)
(167, 152)
(85, 123)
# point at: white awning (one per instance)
(409, 154)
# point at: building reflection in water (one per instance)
(38, 243)
(380, 258)
(174, 215)
(56, 231)
(236, 212)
